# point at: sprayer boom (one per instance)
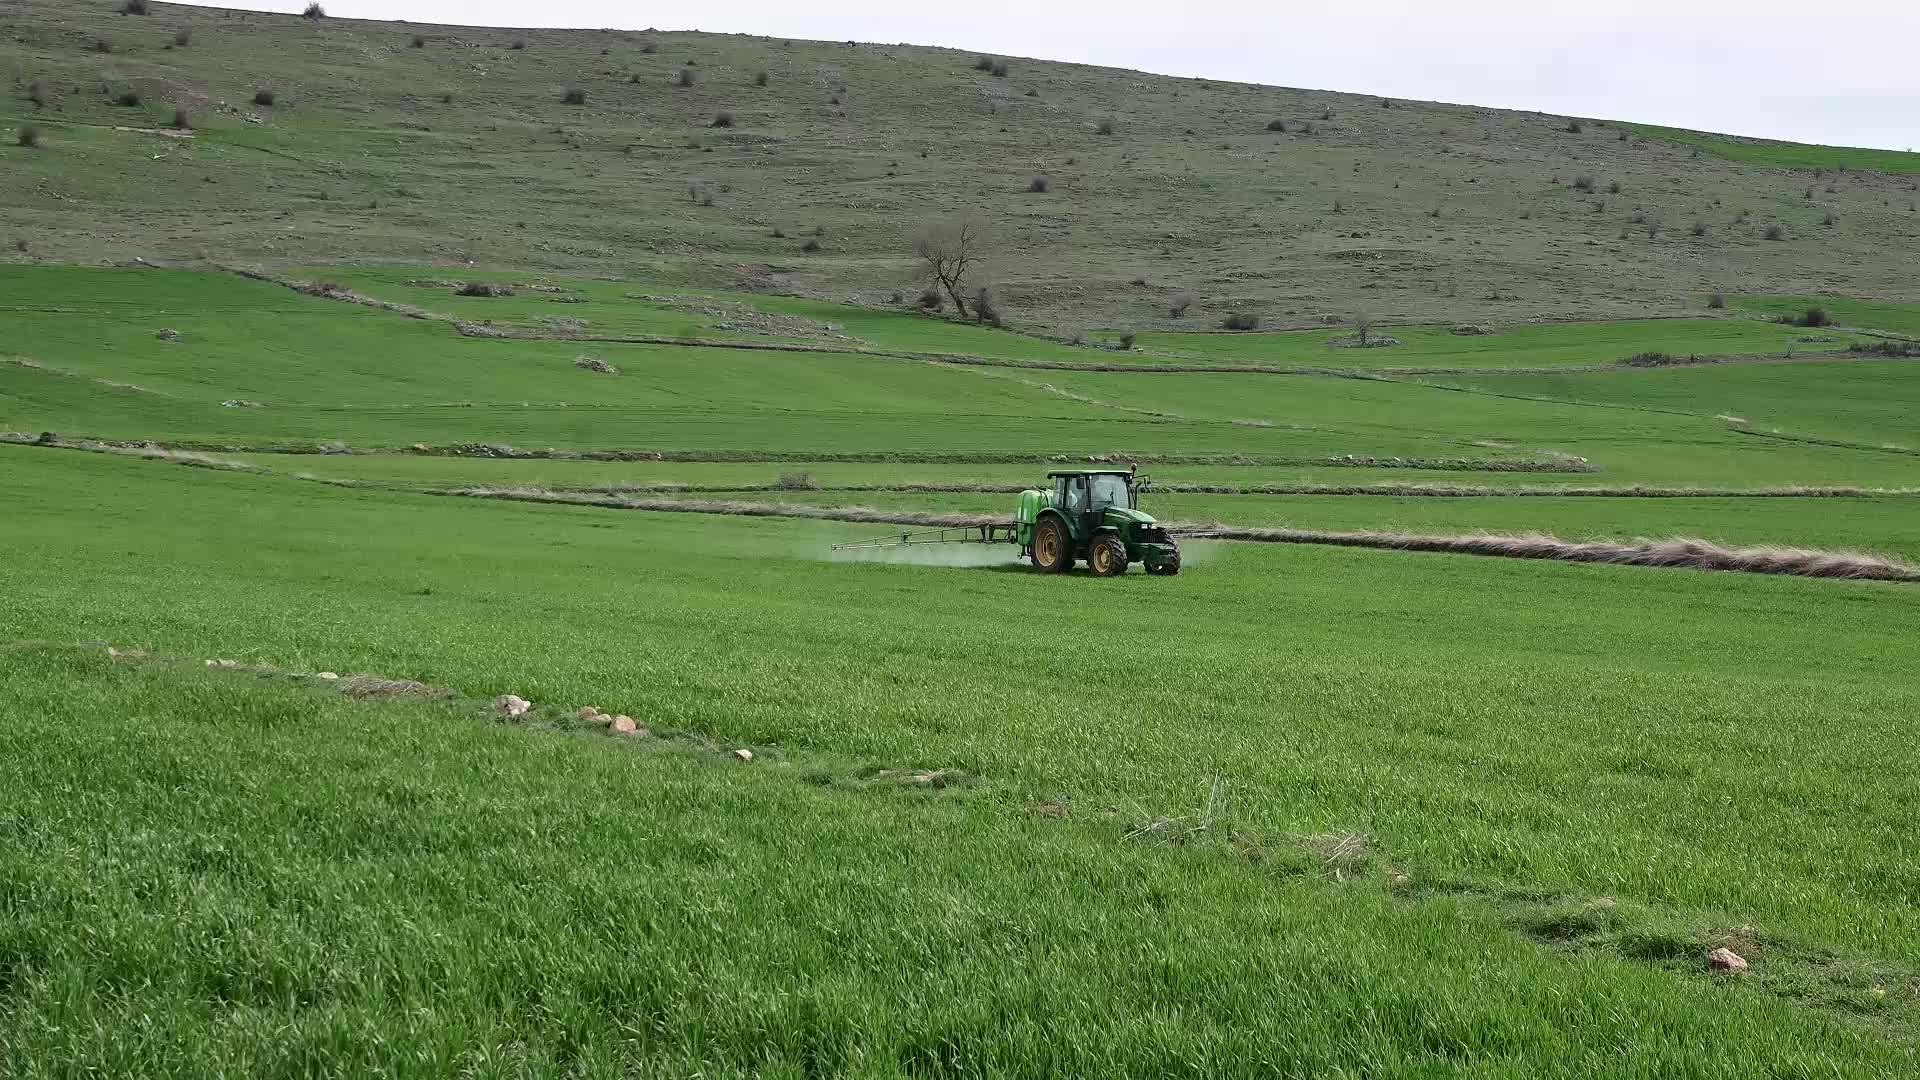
(995, 533)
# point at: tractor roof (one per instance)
(1089, 472)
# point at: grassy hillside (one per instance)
(463, 150)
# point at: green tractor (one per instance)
(1092, 515)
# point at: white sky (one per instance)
(1845, 72)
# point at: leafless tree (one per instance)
(951, 250)
(1363, 324)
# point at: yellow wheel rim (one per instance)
(1103, 558)
(1049, 547)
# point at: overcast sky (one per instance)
(1843, 71)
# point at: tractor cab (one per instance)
(1094, 514)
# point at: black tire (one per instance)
(1107, 556)
(1168, 566)
(1052, 546)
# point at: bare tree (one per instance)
(1363, 324)
(951, 250)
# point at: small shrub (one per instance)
(1105, 128)
(1717, 301)
(1179, 306)
(1775, 232)
(685, 78)
(181, 120)
(999, 69)
(517, 44)
(931, 300)
(28, 136)
(797, 480)
(483, 288)
(650, 48)
(263, 97)
(102, 45)
(1139, 282)
(314, 11)
(1574, 128)
(983, 63)
(897, 299)
(37, 93)
(985, 310)
(1829, 221)
(1649, 359)
(1277, 125)
(1126, 342)
(779, 233)
(419, 42)
(1897, 349)
(134, 7)
(1814, 317)
(811, 247)
(1699, 228)
(1583, 183)
(1613, 188)
(183, 37)
(446, 99)
(1240, 321)
(760, 78)
(722, 119)
(1039, 185)
(1031, 92)
(128, 98)
(574, 96)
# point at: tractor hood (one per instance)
(1121, 517)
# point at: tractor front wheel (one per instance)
(1107, 556)
(1052, 548)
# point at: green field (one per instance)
(1786, 155)
(282, 515)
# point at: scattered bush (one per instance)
(1613, 188)
(181, 120)
(1829, 221)
(931, 300)
(1583, 183)
(1574, 128)
(102, 45)
(314, 11)
(1179, 306)
(1894, 349)
(483, 288)
(446, 99)
(183, 37)
(1717, 301)
(1240, 321)
(28, 136)
(263, 97)
(999, 69)
(685, 78)
(1040, 185)
(1815, 317)
(134, 7)
(650, 48)
(419, 41)
(1699, 228)
(983, 63)
(37, 93)
(811, 247)
(128, 98)
(779, 233)
(517, 44)
(1775, 232)
(1031, 92)
(1126, 342)
(1105, 128)
(760, 78)
(1651, 359)
(797, 480)
(722, 119)
(1277, 125)
(984, 308)
(574, 96)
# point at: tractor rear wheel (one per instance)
(1107, 556)
(1052, 547)
(1168, 566)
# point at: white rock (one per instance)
(623, 725)
(512, 704)
(326, 675)
(743, 754)
(588, 712)
(1726, 960)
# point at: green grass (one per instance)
(1516, 761)
(1523, 346)
(1787, 155)
(1903, 319)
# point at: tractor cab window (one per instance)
(1111, 490)
(1074, 494)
